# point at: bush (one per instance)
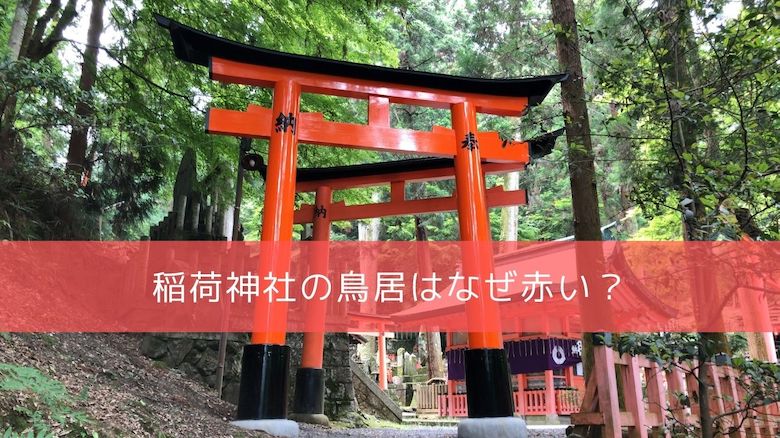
(35, 405)
(39, 202)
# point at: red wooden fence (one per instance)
(651, 404)
(533, 402)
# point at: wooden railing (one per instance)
(535, 402)
(651, 399)
(453, 405)
(428, 397)
(526, 402)
(567, 401)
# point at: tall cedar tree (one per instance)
(34, 44)
(77, 147)
(585, 204)
(675, 67)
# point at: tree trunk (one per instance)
(369, 232)
(585, 204)
(18, 25)
(32, 14)
(510, 215)
(704, 394)
(435, 358)
(8, 109)
(36, 46)
(676, 36)
(587, 225)
(77, 147)
(244, 146)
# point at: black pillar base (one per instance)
(309, 391)
(488, 384)
(264, 382)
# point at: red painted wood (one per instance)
(339, 211)
(314, 129)
(736, 401)
(692, 385)
(604, 369)
(549, 392)
(657, 398)
(677, 385)
(482, 314)
(378, 111)
(726, 396)
(565, 401)
(278, 208)
(314, 340)
(382, 358)
(535, 402)
(632, 390)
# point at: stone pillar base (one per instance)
(309, 399)
(493, 427)
(275, 427)
(264, 382)
(320, 419)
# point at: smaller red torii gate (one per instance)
(396, 174)
(265, 362)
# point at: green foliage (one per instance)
(149, 107)
(722, 155)
(738, 344)
(685, 351)
(42, 408)
(661, 227)
(40, 202)
(46, 99)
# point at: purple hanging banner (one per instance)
(526, 356)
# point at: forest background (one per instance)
(682, 97)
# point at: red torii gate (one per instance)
(309, 383)
(265, 362)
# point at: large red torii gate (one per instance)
(265, 363)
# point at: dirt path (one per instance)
(308, 431)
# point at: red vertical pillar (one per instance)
(452, 389)
(569, 374)
(314, 340)
(266, 361)
(522, 382)
(488, 383)
(549, 394)
(309, 398)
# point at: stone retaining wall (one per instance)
(371, 399)
(195, 354)
(339, 391)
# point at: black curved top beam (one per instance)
(539, 147)
(198, 47)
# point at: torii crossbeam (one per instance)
(265, 362)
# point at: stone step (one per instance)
(441, 422)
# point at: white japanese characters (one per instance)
(387, 287)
